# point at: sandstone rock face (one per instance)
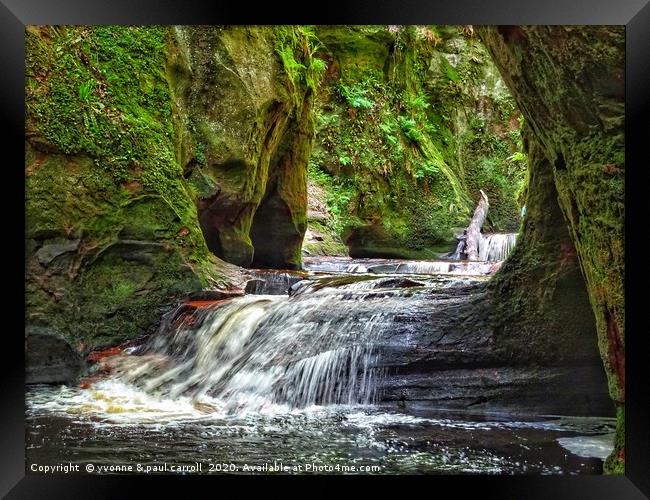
(112, 233)
(246, 127)
(569, 84)
(540, 293)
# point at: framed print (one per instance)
(383, 240)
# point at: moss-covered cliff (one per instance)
(569, 84)
(111, 229)
(243, 97)
(150, 151)
(411, 123)
(541, 307)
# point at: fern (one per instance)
(355, 96)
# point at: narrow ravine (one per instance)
(390, 246)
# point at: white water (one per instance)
(380, 266)
(258, 352)
(272, 283)
(263, 378)
(496, 247)
(599, 446)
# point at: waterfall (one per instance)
(319, 344)
(458, 251)
(258, 351)
(497, 246)
(383, 266)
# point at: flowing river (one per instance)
(312, 372)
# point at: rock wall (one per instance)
(411, 122)
(243, 100)
(151, 154)
(112, 236)
(542, 309)
(449, 351)
(569, 84)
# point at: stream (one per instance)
(309, 372)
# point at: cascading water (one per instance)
(272, 282)
(326, 376)
(492, 247)
(496, 247)
(382, 266)
(259, 351)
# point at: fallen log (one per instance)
(474, 228)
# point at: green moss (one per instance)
(615, 463)
(541, 282)
(102, 169)
(296, 46)
(582, 129)
(330, 244)
(246, 160)
(391, 135)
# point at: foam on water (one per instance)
(599, 446)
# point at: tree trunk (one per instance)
(474, 229)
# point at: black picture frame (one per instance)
(16, 14)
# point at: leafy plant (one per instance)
(296, 47)
(317, 175)
(345, 160)
(518, 156)
(315, 72)
(425, 169)
(293, 68)
(86, 90)
(449, 71)
(355, 95)
(418, 103)
(390, 137)
(410, 129)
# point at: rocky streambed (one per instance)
(367, 362)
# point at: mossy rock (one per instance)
(569, 82)
(244, 112)
(112, 229)
(395, 149)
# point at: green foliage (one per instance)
(296, 46)
(355, 96)
(425, 169)
(389, 133)
(101, 92)
(345, 160)
(518, 157)
(109, 116)
(449, 71)
(338, 203)
(199, 153)
(339, 195)
(410, 128)
(399, 117)
(86, 89)
(293, 68)
(418, 103)
(319, 177)
(315, 72)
